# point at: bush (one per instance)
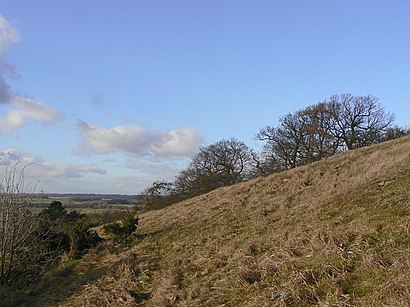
(123, 229)
(60, 232)
(81, 239)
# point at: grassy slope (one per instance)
(333, 233)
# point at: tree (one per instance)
(16, 222)
(50, 237)
(62, 232)
(265, 163)
(158, 195)
(221, 164)
(302, 137)
(357, 120)
(319, 142)
(54, 212)
(395, 132)
(227, 159)
(321, 130)
(81, 238)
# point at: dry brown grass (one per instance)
(333, 233)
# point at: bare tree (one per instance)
(159, 195)
(265, 163)
(283, 143)
(227, 158)
(221, 164)
(394, 132)
(302, 137)
(319, 142)
(357, 120)
(16, 220)
(321, 130)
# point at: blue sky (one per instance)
(108, 96)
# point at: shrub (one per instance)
(123, 229)
(81, 239)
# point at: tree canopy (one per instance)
(321, 130)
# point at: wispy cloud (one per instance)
(23, 110)
(41, 169)
(26, 110)
(8, 37)
(62, 170)
(138, 141)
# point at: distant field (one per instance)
(102, 207)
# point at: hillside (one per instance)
(333, 233)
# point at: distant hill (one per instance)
(84, 201)
(93, 196)
(332, 233)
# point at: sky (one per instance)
(109, 96)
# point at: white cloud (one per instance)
(138, 141)
(8, 35)
(36, 110)
(10, 156)
(183, 142)
(62, 170)
(26, 110)
(39, 168)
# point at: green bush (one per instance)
(81, 239)
(61, 232)
(121, 230)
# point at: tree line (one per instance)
(340, 123)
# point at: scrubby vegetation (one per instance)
(63, 232)
(124, 228)
(53, 235)
(32, 244)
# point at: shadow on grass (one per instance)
(56, 286)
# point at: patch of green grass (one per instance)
(369, 282)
